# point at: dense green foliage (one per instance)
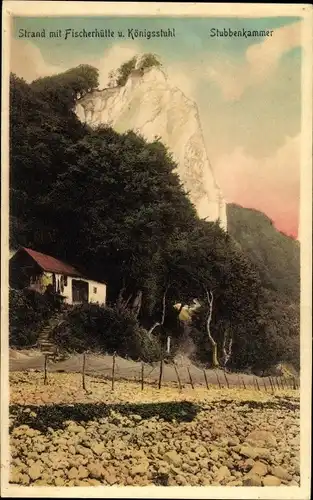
(106, 330)
(112, 205)
(63, 90)
(29, 310)
(275, 255)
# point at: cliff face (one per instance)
(151, 106)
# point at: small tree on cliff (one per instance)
(121, 75)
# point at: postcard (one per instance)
(156, 250)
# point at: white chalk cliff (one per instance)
(151, 106)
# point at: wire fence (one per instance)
(162, 374)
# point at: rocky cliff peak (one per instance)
(151, 105)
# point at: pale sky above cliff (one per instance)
(248, 91)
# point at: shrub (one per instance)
(28, 312)
(147, 345)
(123, 72)
(105, 329)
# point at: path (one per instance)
(101, 365)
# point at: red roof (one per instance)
(48, 263)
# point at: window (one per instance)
(94, 289)
(65, 280)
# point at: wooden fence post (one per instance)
(83, 371)
(271, 383)
(178, 377)
(142, 375)
(257, 384)
(264, 385)
(244, 385)
(113, 370)
(45, 369)
(226, 379)
(161, 373)
(191, 382)
(206, 379)
(218, 380)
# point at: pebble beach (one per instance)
(62, 435)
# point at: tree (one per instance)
(63, 90)
(119, 197)
(148, 61)
(122, 73)
(39, 136)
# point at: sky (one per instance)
(248, 91)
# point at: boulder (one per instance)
(262, 438)
(271, 481)
(172, 458)
(248, 451)
(222, 473)
(259, 468)
(141, 469)
(251, 480)
(35, 471)
(72, 473)
(98, 448)
(83, 472)
(280, 472)
(95, 470)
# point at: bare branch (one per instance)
(154, 326)
(163, 311)
(164, 305)
(126, 302)
(227, 350)
(210, 303)
(210, 298)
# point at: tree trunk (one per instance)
(208, 325)
(164, 305)
(227, 349)
(163, 312)
(121, 303)
(136, 306)
(214, 355)
(120, 299)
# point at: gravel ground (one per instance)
(62, 435)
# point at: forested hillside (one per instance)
(112, 205)
(276, 256)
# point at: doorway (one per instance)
(80, 291)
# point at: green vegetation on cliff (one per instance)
(122, 73)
